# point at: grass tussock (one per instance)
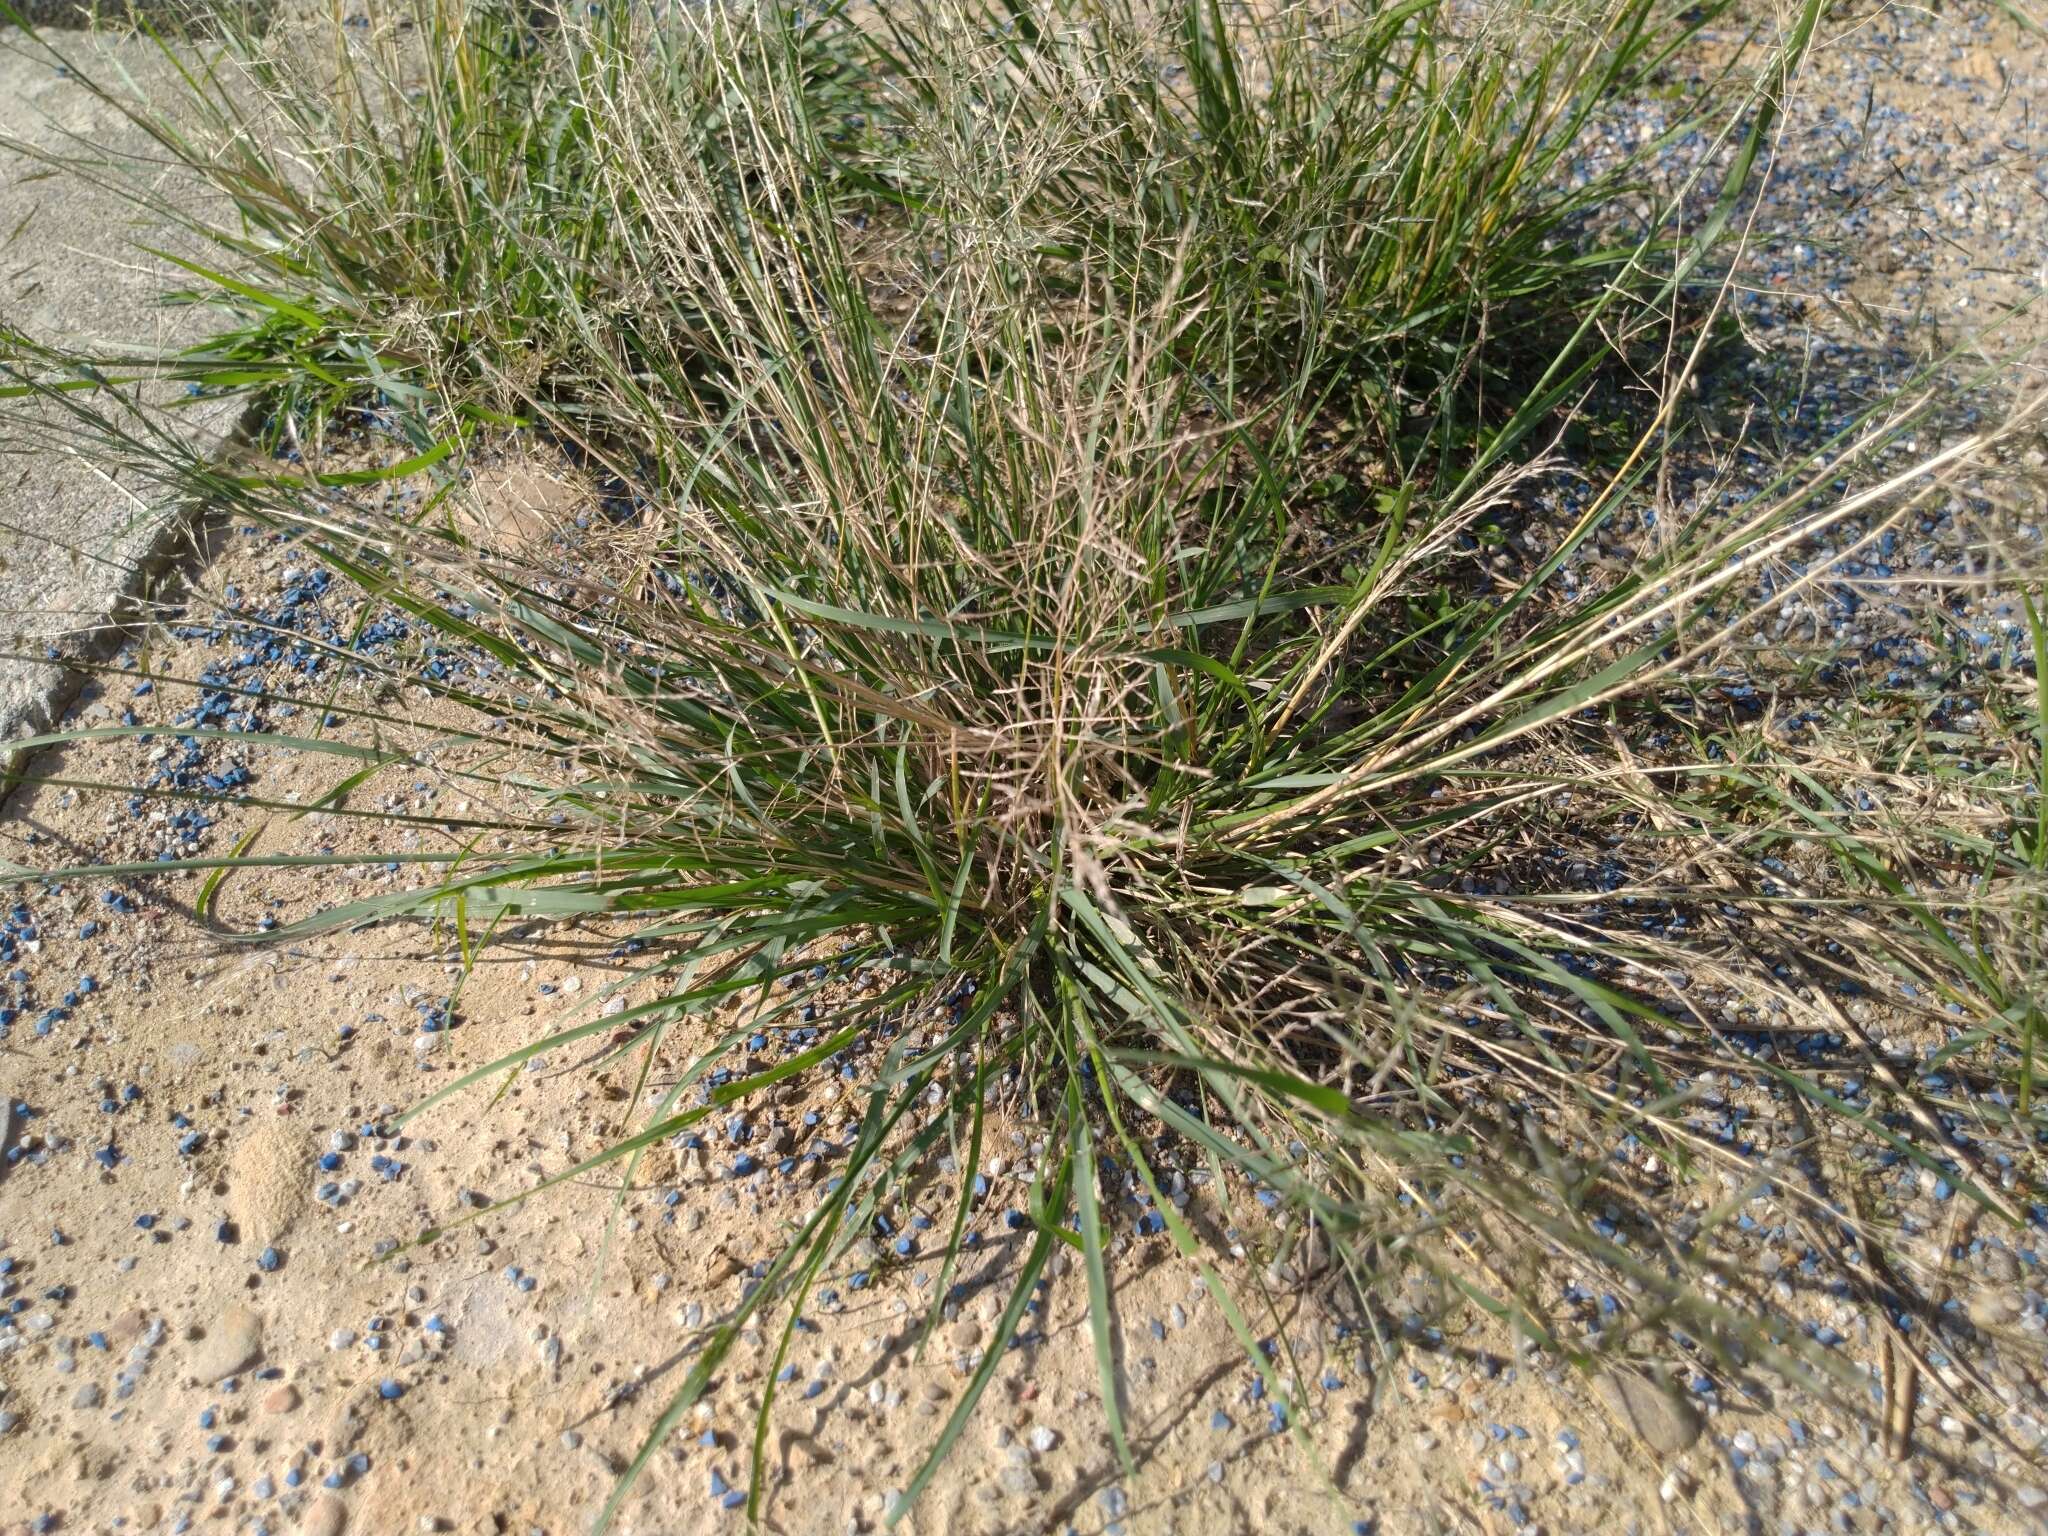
(1056, 456)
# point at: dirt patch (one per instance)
(518, 507)
(266, 1182)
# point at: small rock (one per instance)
(89, 1396)
(232, 1344)
(1666, 1422)
(281, 1399)
(965, 1334)
(1993, 1309)
(326, 1517)
(1019, 1482)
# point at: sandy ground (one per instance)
(218, 1317)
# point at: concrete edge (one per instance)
(170, 547)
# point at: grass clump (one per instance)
(1057, 458)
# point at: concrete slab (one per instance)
(76, 544)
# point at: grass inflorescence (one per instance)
(1059, 456)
